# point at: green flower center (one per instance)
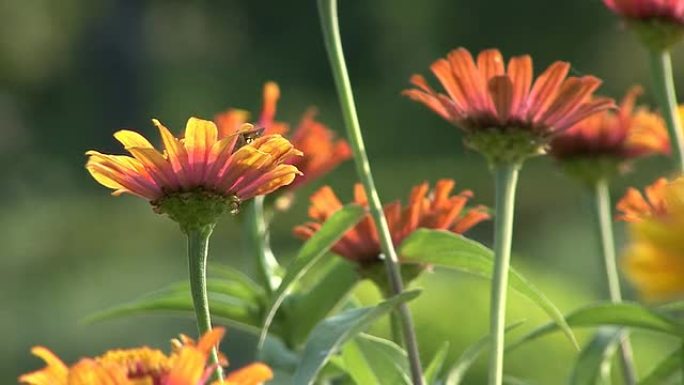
(196, 209)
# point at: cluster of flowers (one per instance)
(505, 113)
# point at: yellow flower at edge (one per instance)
(654, 258)
(187, 365)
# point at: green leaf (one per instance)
(315, 248)
(469, 356)
(451, 250)
(235, 311)
(595, 357)
(666, 369)
(435, 366)
(616, 314)
(373, 360)
(306, 308)
(231, 274)
(510, 380)
(333, 332)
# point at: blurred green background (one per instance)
(73, 72)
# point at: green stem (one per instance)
(605, 230)
(198, 247)
(331, 36)
(663, 83)
(267, 265)
(506, 179)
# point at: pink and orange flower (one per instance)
(438, 209)
(187, 365)
(665, 10)
(322, 150)
(659, 23)
(200, 169)
(486, 97)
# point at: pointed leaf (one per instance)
(435, 366)
(234, 275)
(329, 335)
(233, 310)
(451, 250)
(666, 369)
(594, 357)
(318, 301)
(617, 314)
(332, 230)
(373, 360)
(469, 356)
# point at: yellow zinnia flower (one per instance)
(654, 259)
(187, 365)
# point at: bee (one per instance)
(247, 136)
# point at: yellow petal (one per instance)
(200, 136)
(132, 139)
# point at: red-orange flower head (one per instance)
(505, 115)
(198, 177)
(602, 144)
(187, 365)
(322, 150)
(438, 209)
(659, 23)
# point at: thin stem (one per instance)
(605, 229)
(267, 264)
(331, 36)
(663, 83)
(506, 179)
(198, 247)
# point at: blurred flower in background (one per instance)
(659, 23)
(654, 259)
(322, 150)
(603, 144)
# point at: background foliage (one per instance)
(73, 72)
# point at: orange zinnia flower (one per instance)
(199, 167)
(654, 259)
(437, 210)
(322, 151)
(185, 366)
(498, 105)
(602, 145)
(625, 134)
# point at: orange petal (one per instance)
(520, 72)
(490, 63)
(55, 372)
(545, 88)
(501, 92)
(176, 154)
(254, 374)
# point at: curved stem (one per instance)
(605, 229)
(506, 179)
(663, 83)
(198, 247)
(267, 265)
(331, 36)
